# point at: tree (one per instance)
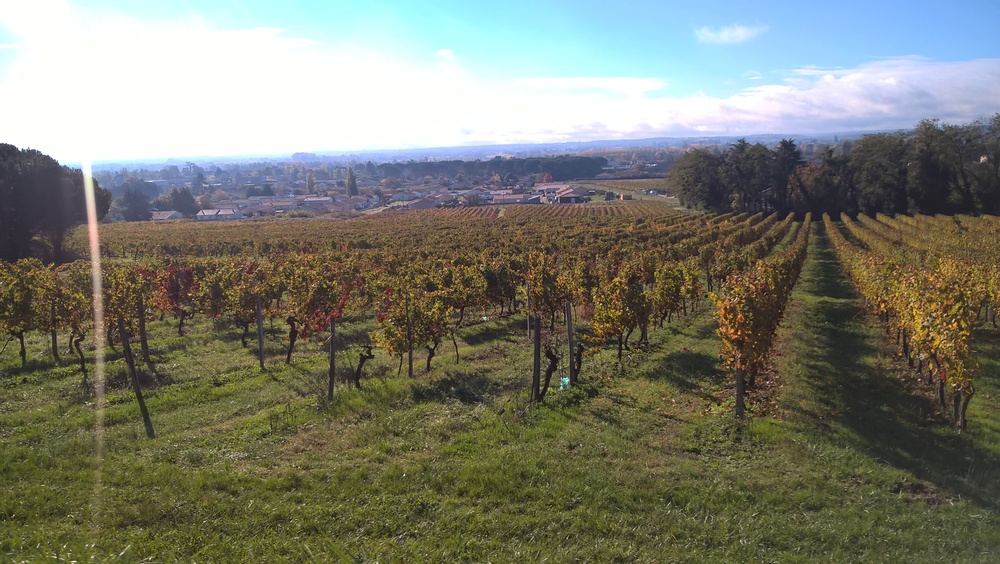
(878, 165)
(135, 205)
(198, 183)
(179, 199)
(352, 183)
(787, 157)
(40, 198)
(928, 173)
(746, 171)
(310, 183)
(695, 180)
(148, 189)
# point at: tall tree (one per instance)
(135, 205)
(40, 198)
(352, 183)
(694, 179)
(179, 199)
(787, 157)
(928, 173)
(746, 171)
(310, 183)
(878, 165)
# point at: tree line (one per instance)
(934, 168)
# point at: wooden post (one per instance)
(333, 358)
(409, 339)
(260, 334)
(536, 374)
(143, 340)
(740, 391)
(130, 360)
(54, 334)
(527, 304)
(569, 334)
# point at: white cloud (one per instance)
(889, 94)
(729, 34)
(100, 85)
(631, 87)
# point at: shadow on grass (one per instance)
(511, 329)
(150, 378)
(466, 387)
(693, 370)
(33, 365)
(689, 371)
(884, 416)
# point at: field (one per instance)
(845, 453)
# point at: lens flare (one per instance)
(99, 336)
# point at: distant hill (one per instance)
(473, 152)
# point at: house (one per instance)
(406, 196)
(570, 195)
(169, 214)
(259, 210)
(516, 199)
(317, 200)
(219, 214)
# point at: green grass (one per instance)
(845, 458)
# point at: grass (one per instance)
(845, 458)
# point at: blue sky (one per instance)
(111, 80)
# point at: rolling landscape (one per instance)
(337, 282)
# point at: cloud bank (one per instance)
(92, 86)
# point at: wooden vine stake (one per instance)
(569, 334)
(333, 358)
(130, 360)
(536, 373)
(260, 334)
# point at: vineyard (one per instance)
(604, 381)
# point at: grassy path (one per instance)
(855, 415)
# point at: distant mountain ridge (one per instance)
(472, 152)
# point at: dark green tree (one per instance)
(821, 188)
(184, 201)
(179, 199)
(787, 158)
(135, 205)
(149, 189)
(39, 201)
(352, 183)
(928, 173)
(746, 171)
(694, 179)
(878, 164)
(198, 184)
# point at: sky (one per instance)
(110, 80)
